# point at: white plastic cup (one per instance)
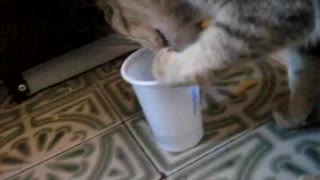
(173, 113)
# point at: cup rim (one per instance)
(124, 69)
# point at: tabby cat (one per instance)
(239, 29)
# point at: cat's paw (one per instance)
(176, 69)
(285, 119)
(167, 68)
(161, 64)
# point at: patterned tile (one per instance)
(108, 70)
(57, 92)
(52, 129)
(225, 115)
(116, 90)
(122, 97)
(166, 162)
(61, 90)
(254, 104)
(6, 101)
(41, 99)
(112, 155)
(8, 117)
(61, 117)
(266, 153)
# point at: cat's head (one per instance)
(154, 23)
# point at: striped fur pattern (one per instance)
(154, 23)
(238, 30)
(243, 29)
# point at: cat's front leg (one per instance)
(214, 50)
(175, 68)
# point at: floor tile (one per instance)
(166, 162)
(6, 101)
(70, 113)
(114, 155)
(268, 153)
(108, 70)
(57, 92)
(121, 96)
(254, 105)
(10, 111)
(61, 90)
(116, 90)
(53, 129)
(225, 115)
(12, 115)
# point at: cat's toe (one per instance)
(165, 67)
(171, 69)
(160, 64)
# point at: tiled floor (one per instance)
(91, 127)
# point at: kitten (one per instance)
(242, 29)
(154, 23)
(239, 30)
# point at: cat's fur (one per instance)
(253, 28)
(241, 29)
(154, 23)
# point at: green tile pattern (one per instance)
(261, 154)
(53, 129)
(92, 127)
(112, 155)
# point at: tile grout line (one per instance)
(236, 137)
(121, 122)
(220, 146)
(110, 102)
(91, 84)
(65, 150)
(232, 139)
(57, 102)
(163, 175)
